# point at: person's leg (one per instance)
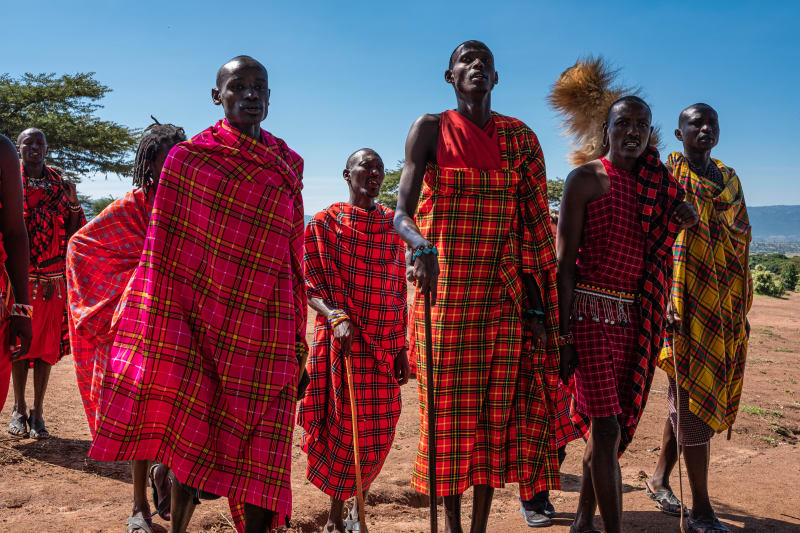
(696, 458)
(256, 519)
(41, 377)
(606, 474)
(353, 514)
(452, 514)
(141, 507)
(182, 507)
(667, 458)
(587, 504)
(335, 521)
(481, 505)
(19, 378)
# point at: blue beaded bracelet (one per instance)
(419, 250)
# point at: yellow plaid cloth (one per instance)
(712, 292)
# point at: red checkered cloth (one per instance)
(203, 372)
(44, 207)
(494, 393)
(101, 259)
(354, 261)
(6, 301)
(638, 239)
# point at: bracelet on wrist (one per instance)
(538, 314)
(564, 340)
(336, 317)
(23, 310)
(423, 249)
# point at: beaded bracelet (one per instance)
(336, 317)
(537, 314)
(424, 249)
(22, 310)
(300, 350)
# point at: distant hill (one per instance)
(775, 223)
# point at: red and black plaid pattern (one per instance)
(354, 261)
(203, 374)
(658, 194)
(44, 218)
(494, 394)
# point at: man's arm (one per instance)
(15, 240)
(420, 149)
(581, 187)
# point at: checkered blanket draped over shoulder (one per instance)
(203, 373)
(354, 262)
(659, 194)
(101, 259)
(712, 292)
(494, 393)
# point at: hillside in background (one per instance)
(775, 223)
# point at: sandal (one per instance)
(666, 501)
(135, 523)
(162, 504)
(18, 428)
(707, 525)
(38, 431)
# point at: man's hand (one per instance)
(569, 361)
(343, 332)
(21, 335)
(531, 325)
(425, 272)
(70, 191)
(401, 367)
(672, 318)
(747, 327)
(685, 215)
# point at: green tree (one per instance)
(766, 282)
(555, 190)
(63, 108)
(391, 183)
(93, 206)
(789, 276)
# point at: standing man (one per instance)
(472, 209)
(52, 215)
(711, 295)
(102, 257)
(15, 308)
(355, 281)
(204, 368)
(619, 217)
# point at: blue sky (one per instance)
(350, 74)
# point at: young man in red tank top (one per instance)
(472, 200)
(619, 216)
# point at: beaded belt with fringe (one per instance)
(56, 278)
(599, 303)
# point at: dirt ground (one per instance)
(51, 486)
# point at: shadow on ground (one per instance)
(70, 453)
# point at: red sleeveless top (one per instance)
(612, 250)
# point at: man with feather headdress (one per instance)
(711, 295)
(620, 213)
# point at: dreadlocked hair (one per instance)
(154, 137)
(583, 95)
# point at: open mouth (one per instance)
(479, 76)
(632, 144)
(373, 183)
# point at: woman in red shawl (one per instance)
(52, 215)
(355, 280)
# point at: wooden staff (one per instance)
(362, 519)
(431, 415)
(678, 425)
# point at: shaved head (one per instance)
(30, 131)
(631, 98)
(236, 63)
(351, 160)
(467, 44)
(684, 116)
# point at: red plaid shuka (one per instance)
(45, 208)
(354, 262)
(101, 259)
(634, 350)
(6, 301)
(494, 393)
(203, 374)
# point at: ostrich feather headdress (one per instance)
(582, 95)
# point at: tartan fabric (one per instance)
(564, 432)
(658, 194)
(693, 431)
(101, 259)
(44, 209)
(353, 261)
(712, 292)
(203, 374)
(6, 301)
(494, 393)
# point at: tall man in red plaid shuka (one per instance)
(619, 217)
(355, 281)
(475, 181)
(52, 215)
(204, 369)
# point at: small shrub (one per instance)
(766, 282)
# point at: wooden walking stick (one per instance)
(678, 425)
(362, 519)
(431, 415)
